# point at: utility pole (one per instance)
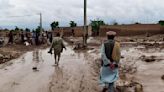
(85, 24)
(40, 22)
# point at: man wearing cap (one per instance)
(110, 55)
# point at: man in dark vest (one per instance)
(110, 55)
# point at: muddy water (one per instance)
(148, 73)
(72, 75)
(18, 76)
(75, 73)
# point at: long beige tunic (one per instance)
(57, 45)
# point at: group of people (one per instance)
(110, 55)
(33, 38)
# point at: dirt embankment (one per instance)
(13, 51)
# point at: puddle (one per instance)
(72, 75)
(148, 73)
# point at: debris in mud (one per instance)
(162, 77)
(1, 56)
(138, 88)
(129, 68)
(148, 59)
(15, 83)
(35, 69)
(122, 57)
(131, 40)
(130, 86)
(151, 45)
(80, 46)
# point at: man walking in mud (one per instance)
(57, 46)
(11, 38)
(110, 55)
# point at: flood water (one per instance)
(148, 73)
(72, 74)
(75, 72)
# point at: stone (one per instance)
(34, 68)
(148, 59)
(122, 57)
(138, 88)
(162, 77)
(131, 40)
(1, 56)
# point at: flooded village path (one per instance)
(72, 75)
(76, 72)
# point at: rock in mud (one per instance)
(78, 46)
(131, 40)
(138, 88)
(121, 89)
(35, 68)
(162, 77)
(122, 57)
(1, 56)
(148, 59)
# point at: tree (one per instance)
(96, 25)
(38, 29)
(73, 24)
(137, 23)
(27, 30)
(21, 29)
(6, 29)
(16, 28)
(115, 23)
(161, 22)
(54, 25)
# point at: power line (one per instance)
(17, 16)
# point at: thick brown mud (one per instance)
(72, 75)
(78, 71)
(148, 73)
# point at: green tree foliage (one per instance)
(96, 25)
(161, 23)
(38, 29)
(21, 30)
(72, 24)
(54, 25)
(137, 23)
(16, 28)
(6, 29)
(115, 23)
(27, 30)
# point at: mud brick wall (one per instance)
(131, 30)
(67, 31)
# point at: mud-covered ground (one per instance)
(13, 51)
(142, 63)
